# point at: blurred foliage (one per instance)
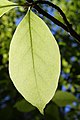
(70, 74)
(62, 98)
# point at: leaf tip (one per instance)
(41, 111)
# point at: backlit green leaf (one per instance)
(5, 6)
(34, 61)
(62, 98)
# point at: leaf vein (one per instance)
(33, 57)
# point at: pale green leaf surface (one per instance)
(5, 6)
(62, 98)
(24, 106)
(34, 61)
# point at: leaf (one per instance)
(24, 106)
(52, 110)
(64, 98)
(5, 6)
(34, 61)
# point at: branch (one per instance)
(67, 27)
(41, 11)
(56, 7)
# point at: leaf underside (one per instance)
(34, 61)
(5, 6)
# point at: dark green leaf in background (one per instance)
(62, 98)
(24, 106)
